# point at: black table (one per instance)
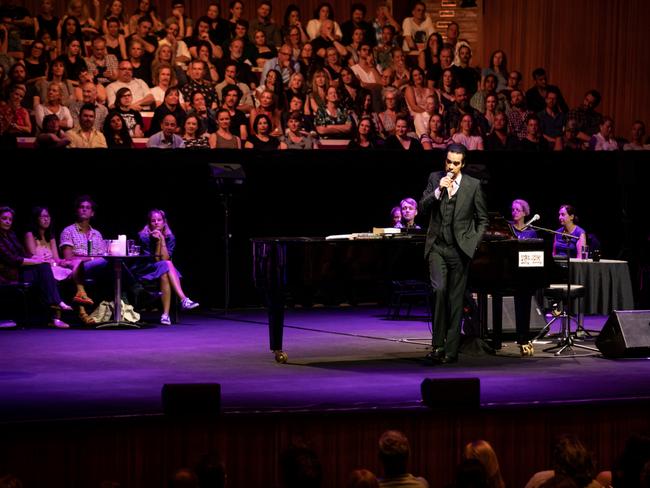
(607, 282)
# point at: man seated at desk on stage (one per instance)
(409, 210)
(77, 242)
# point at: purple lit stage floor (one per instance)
(342, 358)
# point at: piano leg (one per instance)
(497, 321)
(275, 304)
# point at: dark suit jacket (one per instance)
(470, 216)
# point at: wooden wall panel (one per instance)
(583, 44)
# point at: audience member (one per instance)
(331, 121)
(363, 108)
(357, 21)
(421, 119)
(447, 88)
(231, 78)
(192, 134)
(167, 137)
(604, 140)
(223, 138)
(513, 83)
(394, 452)
(533, 142)
(417, 28)
(86, 134)
(470, 473)
(156, 239)
(467, 134)
(300, 468)
(586, 116)
(362, 478)
(34, 62)
(236, 9)
(429, 58)
(479, 98)
(518, 114)
(459, 109)
(89, 96)
(175, 51)
(354, 45)
(55, 74)
(238, 122)
(261, 137)
(293, 32)
(499, 139)
(564, 245)
(570, 460)
(295, 137)
(196, 83)
(383, 52)
(186, 26)
(171, 105)
(324, 11)
(483, 452)
(68, 30)
(570, 140)
(16, 264)
(349, 88)
(164, 78)
(116, 132)
(14, 118)
(388, 118)
(551, 119)
(85, 77)
(115, 39)
(499, 68)
(365, 135)
(102, 65)
(141, 96)
(53, 105)
(264, 51)
(40, 242)
(132, 118)
(401, 140)
(145, 8)
(466, 75)
(51, 135)
(140, 64)
(267, 105)
(490, 110)
(205, 115)
(115, 9)
(264, 23)
(384, 18)
(417, 91)
(536, 95)
(73, 60)
(327, 39)
(143, 34)
(637, 141)
(435, 137)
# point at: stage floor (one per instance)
(339, 359)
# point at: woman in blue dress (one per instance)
(156, 239)
(564, 245)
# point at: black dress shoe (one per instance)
(449, 359)
(436, 355)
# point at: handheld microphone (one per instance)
(450, 175)
(534, 218)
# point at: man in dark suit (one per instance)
(458, 217)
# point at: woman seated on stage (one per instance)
(519, 211)
(40, 241)
(157, 240)
(16, 265)
(564, 245)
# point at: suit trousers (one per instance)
(448, 268)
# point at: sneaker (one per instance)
(187, 304)
(165, 320)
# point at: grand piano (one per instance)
(285, 266)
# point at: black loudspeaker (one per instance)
(451, 392)
(626, 334)
(191, 399)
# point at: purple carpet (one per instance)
(341, 358)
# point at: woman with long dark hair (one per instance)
(261, 137)
(132, 118)
(40, 241)
(116, 132)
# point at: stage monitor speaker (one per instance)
(191, 399)
(451, 392)
(626, 334)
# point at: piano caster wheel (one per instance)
(281, 357)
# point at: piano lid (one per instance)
(498, 228)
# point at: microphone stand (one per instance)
(566, 339)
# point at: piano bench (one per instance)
(407, 292)
(560, 292)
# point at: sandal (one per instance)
(85, 318)
(82, 298)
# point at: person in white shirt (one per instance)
(417, 29)
(604, 139)
(139, 89)
(323, 11)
